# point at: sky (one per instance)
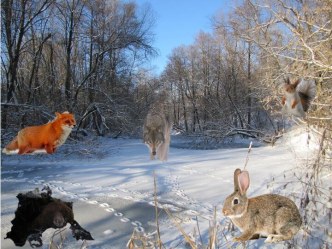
(178, 22)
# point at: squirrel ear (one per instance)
(244, 182)
(297, 82)
(236, 180)
(287, 81)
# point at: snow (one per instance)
(111, 184)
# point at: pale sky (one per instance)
(178, 22)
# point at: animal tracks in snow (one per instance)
(60, 186)
(137, 225)
(188, 168)
(93, 202)
(175, 200)
(125, 220)
(171, 182)
(108, 232)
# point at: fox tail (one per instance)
(12, 146)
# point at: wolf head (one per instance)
(153, 138)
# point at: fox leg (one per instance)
(49, 148)
(23, 144)
(294, 103)
(23, 149)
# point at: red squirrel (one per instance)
(297, 96)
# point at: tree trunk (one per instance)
(68, 77)
(249, 89)
(13, 52)
(184, 109)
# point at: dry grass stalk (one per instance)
(156, 210)
(53, 245)
(213, 231)
(139, 240)
(61, 245)
(247, 158)
(185, 235)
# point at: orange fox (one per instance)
(42, 137)
(297, 96)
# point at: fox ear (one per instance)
(57, 114)
(244, 182)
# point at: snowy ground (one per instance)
(111, 183)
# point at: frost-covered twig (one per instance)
(185, 235)
(247, 158)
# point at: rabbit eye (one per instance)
(235, 201)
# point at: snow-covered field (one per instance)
(111, 184)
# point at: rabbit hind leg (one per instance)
(273, 238)
(286, 232)
(246, 235)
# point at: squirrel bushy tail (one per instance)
(307, 92)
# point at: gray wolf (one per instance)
(157, 132)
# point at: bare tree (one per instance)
(74, 55)
(17, 17)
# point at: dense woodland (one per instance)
(89, 57)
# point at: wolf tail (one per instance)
(307, 92)
(13, 145)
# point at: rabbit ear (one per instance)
(244, 181)
(236, 181)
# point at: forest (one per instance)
(89, 57)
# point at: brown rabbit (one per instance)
(273, 216)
